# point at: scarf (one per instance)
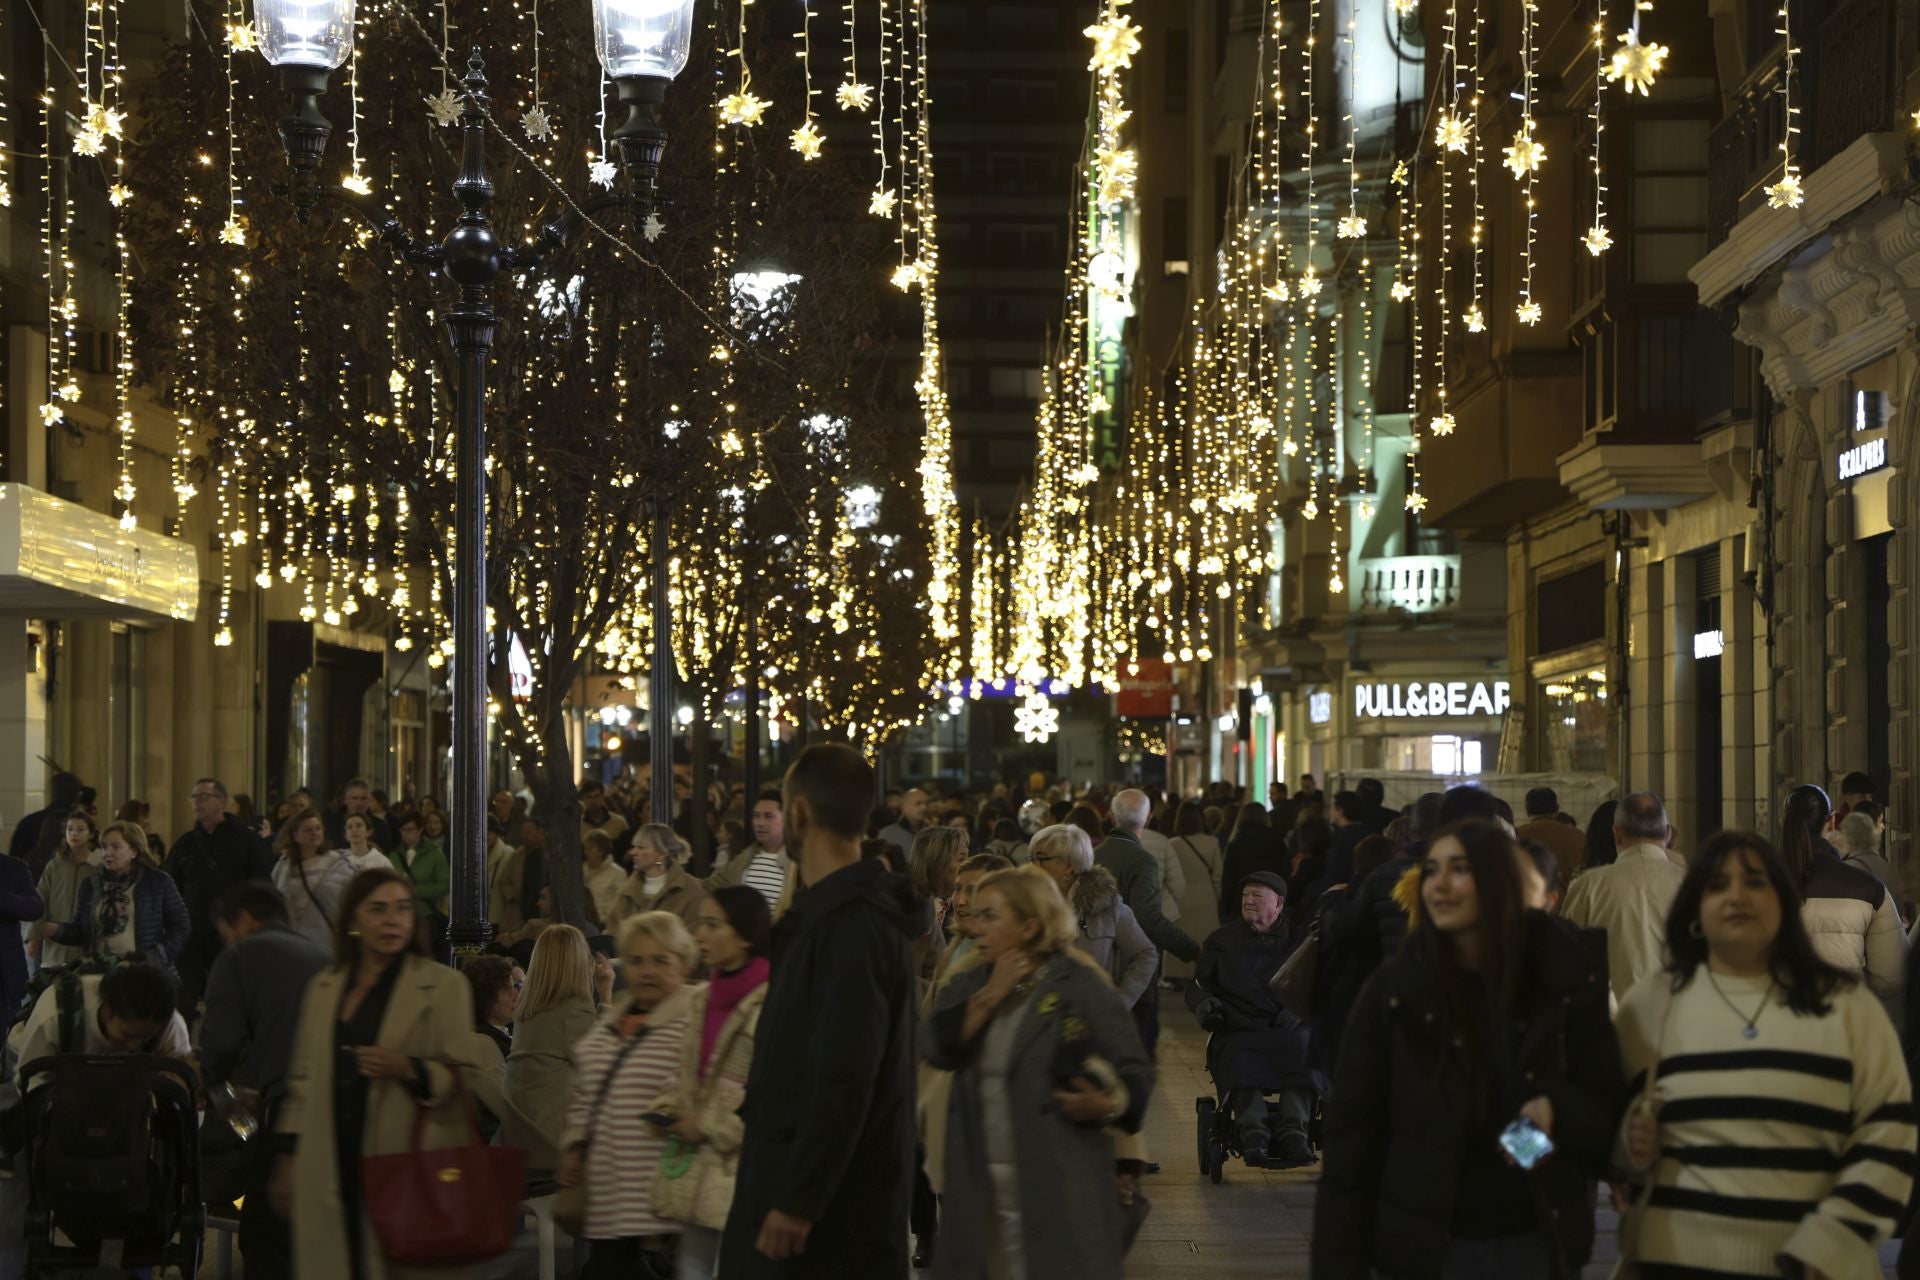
(116, 900)
(724, 995)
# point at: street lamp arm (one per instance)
(556, 234)
(419, 253)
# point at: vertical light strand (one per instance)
(225, 531)
(1598, 239)
(111, 81)
(1476, 317)
(356, 179)
(1416, 501)
(1786, 193)
(1367, 472)
(1353, 224)
(936, 451)
(6, 152)
(1336, 366)
(807, 139)
(1309, 282)
(1454, 133)
(1525, 157)
(742, 106)
(233, 233)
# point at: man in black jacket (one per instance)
(215, 854)
(827, 1167)
(1258, 1046)
(1138, 874)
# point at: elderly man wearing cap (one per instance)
(1258, 1047)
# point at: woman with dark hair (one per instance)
(386, 1030)
(312, 877)
(496, 983)
(1254, 846)
(1602, 849)
(1852, 919)
(77, 862)
(1087, 818)
(1491, 1015)
(1774, 1126)
(733, 933)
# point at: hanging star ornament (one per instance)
(88, 141)
(1115, 41)
(1119, 167)
(1278, 291)
(51, 414)
(1636, 64)
(242, 38)
(1351, 227)
(880, 205)
(358, 184)
(233, 233)
(807, 140)
(854, 96)
(743, 108)
(445, 106)
(601, 173)
(1598, 240)
(1416, 502)
(1526, 154)
(118, 194)
(1401, 291)
(1476, 320)
(1528, 312)
(1786, 193)
(1441, 425)
(1035, 719)
(537, 123)
(1451, 132)
(653, 228)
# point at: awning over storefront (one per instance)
(62, 560)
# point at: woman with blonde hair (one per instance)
(659, 881)
(131, 905)
(932, 862)
(1045, 1057)
(554, 1012)
(623, 1066)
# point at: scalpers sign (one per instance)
(1430, 698)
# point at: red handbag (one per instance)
(445, 1207)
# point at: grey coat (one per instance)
(1069, 1208)
(1110, 936)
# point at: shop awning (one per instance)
(62, 560)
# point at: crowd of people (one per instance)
(865, 1040)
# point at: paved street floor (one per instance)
(1257, 1222)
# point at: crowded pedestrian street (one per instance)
(967, 639)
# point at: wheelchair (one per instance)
(1218, 1134)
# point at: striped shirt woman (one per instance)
(1775, 1122)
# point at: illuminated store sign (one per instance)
(1320, 707)
(1417, 699)
(1863, 458)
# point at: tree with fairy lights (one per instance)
(644, 364)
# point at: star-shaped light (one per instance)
(1636, 64)
(537, 123)
(1441, 424)
(1278, 291)
(880, 205)
(396, 382)
(105, 122)
(1476, 320)
(118, 194)
(1351, 227)
(1334, 584)
(653, 228)
(358, 184)
(51, 413)
(69, 390)
(445, 106)
(1416, 502)
(1528, 312)
(1290, 447)
(1035, 719)
(600, 173)
(1400, 174)
(1526, 153)
(1366, 511)
(854, 96)
(1401, 291)
(1119, 167)
(1309, 284)
(907, 275)
(807, 140)
(1598, 239)
(1401, 8)
(745, 107)
(233, 233)
(1451, 132)
(1115, 41)
(242, 38)
(1786, 193)
(89, 141)
(1312, 510)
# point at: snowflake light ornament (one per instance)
(1528, 312)
(89, 141)
(1451, 132)
(1119, 167)
(1598, 240)
(1309, 284)
(1476, 320)
(1278, 291)
(1636, 64)
(1416, 502)
(1351, 227)
(51, 414)
(854, 96)
(1786, 193)
(1115, 41)
(1526, 153)
(808, 140)
(1404, 8)
(358, 184)
(1291, 448)
(242, 38)
(537, 122)
(1035, 719)
(881, 203)
(1401, 291)
(1312, 510)
(118, 194)
(652, 229)
(744, 108)
(233, 233)
(445, 106)
(1441, 425)
(601, 173)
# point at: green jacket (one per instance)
(431, 880)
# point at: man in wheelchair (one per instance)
(1257, 1047)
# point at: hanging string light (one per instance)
(1353, 224)
(1598, 239)
(1787, 193)
(1476, 317)
(807, 139)
(1524, 158)
(1456, 132)
(743, 106)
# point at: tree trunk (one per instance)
(556, 801)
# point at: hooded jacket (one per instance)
(1109, 935)
(829, 1108)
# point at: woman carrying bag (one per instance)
(1766, 1079)
(384, 1064)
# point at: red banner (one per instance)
(1146, 690)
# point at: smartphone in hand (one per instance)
(1526, 1142)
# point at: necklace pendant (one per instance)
(1750, 1032)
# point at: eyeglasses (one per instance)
(206, 795)
(1042, 859)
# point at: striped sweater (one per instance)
(622, 1149)
(1798, 1142)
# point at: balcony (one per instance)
(1409, 585)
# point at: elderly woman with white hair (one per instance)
(622, 1068)
(1046, 1057)
(1108, 934)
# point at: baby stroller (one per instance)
(112, 1161)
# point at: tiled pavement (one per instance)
(1256, 1223)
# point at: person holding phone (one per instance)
(1478, 1088)
(1763, 1076)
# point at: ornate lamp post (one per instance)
(642, 44)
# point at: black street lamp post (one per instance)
(643, 43)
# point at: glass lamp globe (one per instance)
(643, 37)
(304, 33)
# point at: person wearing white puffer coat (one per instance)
(1850, 916)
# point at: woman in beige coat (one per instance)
(404, 1024)
(659, 882)
(733, 932)
(555, 1011)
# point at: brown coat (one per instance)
(1568, 845)
(430, 1017)
(681, 894)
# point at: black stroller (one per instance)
(112, 1161)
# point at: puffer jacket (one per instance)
(1109, 935)
(1397, 1127)
(702, 1195)
(1855, 926)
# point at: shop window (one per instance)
(1571, 610)
(1574, 729)
(1455, 756)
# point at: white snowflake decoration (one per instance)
(537, 123)
(600, 173)
(881, 205)
(1035, 719)
(445, 106)
(854, 96)
(653, 228)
